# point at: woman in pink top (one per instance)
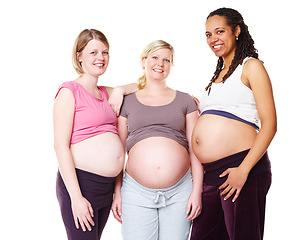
(88, 148)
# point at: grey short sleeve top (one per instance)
(157, 121)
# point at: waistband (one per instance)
(214, 169)
(156, 194)
(182, 180)
(89, 176)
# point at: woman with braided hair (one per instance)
(237, 123)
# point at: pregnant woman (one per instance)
(231, 137)
(88, 148)
(158, 197)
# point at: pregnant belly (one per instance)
(215, 137)
(158, 162)
(102, 154)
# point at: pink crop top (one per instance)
(92, 116)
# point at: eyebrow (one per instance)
(217, 28)
(95, 49)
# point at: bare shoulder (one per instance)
(253, 64)
(255, 72)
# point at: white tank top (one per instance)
(231, 99)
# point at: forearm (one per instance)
(259, 147)
(118, 183)
(197, 174)
(127, 89)
(68, 172)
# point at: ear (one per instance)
(237, 30)
(78, 55)
(143, 62)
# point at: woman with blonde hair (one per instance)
(160, 192)
(86, 141)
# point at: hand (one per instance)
(197, 103)
(115, 100)
(116, 207)
(234, 183)
(194, 206)
(82, 213)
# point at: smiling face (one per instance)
(94, 58)
(158, 64)
(220, 37)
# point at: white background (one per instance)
(35, 58)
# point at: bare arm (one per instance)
(117, 201)
(116, 95)
(63, 112)
(195, 201)
(256, 76)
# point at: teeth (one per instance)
(158, 70)
(100, 64)
(217, 47)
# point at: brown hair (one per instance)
(81, 42)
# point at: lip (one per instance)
(99, 64)
(157, 70)
(217, 47)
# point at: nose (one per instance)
(100, 56)
(160, 62)
(214, 38)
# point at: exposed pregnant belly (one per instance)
(102, 154)
(158, 162)
(216, 137)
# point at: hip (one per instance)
(137, 194)
(212, 170)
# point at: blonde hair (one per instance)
(81, 42)
(150, 48)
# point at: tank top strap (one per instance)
(245, 60)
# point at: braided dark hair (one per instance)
(245, 44)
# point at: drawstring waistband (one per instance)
(164, 197)
(156, 198)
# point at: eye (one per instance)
(93, 53)
(154, 57)
(220, 31)
(105, 52)
(208, 35)
(167, 60)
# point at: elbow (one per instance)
(58, 147)
(275, 129)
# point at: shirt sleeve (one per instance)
(191, 105)
(68, 85)
(123, 109)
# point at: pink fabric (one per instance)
(92, 116)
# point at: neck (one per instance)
(88, 80)
(228, 59)
(156, 86)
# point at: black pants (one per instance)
(98, 190)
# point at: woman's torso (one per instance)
(95, 144)
(158, 155)
(102, 154)
(216, 136)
